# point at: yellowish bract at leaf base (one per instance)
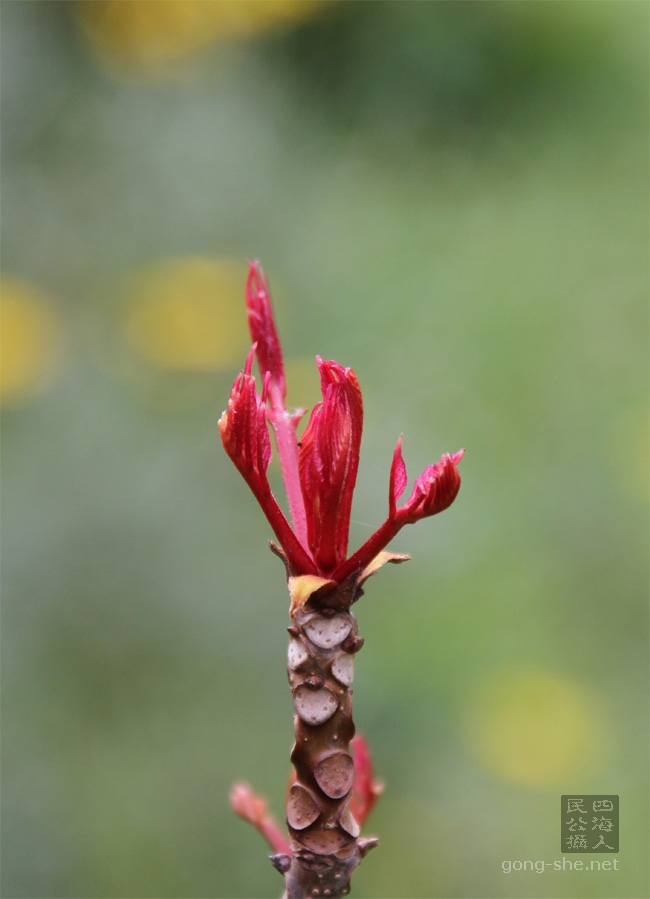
(302, 587)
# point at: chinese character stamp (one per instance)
(589, 823)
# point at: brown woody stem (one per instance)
(324, 836)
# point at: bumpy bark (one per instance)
(324, 836)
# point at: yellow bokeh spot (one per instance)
(147, 35)
(189, 314)
(534, 728)
(30, 341)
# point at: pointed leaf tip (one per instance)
(398, 478)
(261, 324)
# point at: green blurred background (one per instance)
(453, 199)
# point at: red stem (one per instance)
(299, 561)
(366, 553)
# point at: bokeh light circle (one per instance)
(149, 36)
(534, 728)
(30, 342)
(187, 313)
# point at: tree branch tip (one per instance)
(366, 844)
(279, 552)
(281, 862)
